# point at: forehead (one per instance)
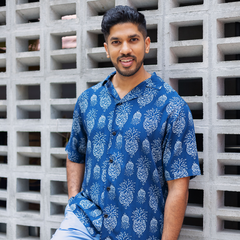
(121, 30)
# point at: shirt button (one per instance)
(114, 133)
(108, 188)
(111, 161)
(105, 216)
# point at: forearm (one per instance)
(75, 174)
(175, 207)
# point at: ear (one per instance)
(147, 44)
(106, 49)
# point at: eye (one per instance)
(134, 39)
(115, 42)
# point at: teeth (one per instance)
(127, 60)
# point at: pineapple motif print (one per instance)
(154, 198)
(104, 171)
(174, 106)
(126, 190)
(179, 124)
(147, 97)
(178, 148)
(98, 223)
(146, 146)
(179, 168)
(96, 213)
(190, 119)
(74, 143)
(90, 120)
(110, 121)
(86, 204)
(167, 153)
(143, 166)
(93, 100)
(157, 150)
(152, 118)
(83, 102)
(125, 221)
(105, 100)
(160, 175)
(96, 87)
(98, 145)
(139, 218)
(161, 100)
(152, 238)
(129, 168)
(141, 196)
(122, 113)
(191, 144)
(136, 118)
(119, 141)
(112, 193)
(168, 88)
(88, 169)
(153, 225)
(131, 138)
(76, 122)
(110, 222)
(114, 169)
(155, 176)
(123, 236)
(96, 172)
(195, 169)
(89, 146)
(82, 146)
(82, 217)
(94, 192)
(101, 122)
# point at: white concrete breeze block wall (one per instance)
(51, 51)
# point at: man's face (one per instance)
(126, 46)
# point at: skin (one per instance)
(126, 47)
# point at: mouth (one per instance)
(126, 62)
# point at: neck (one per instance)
(124, 85)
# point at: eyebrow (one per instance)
(130, 36)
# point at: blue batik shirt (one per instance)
(131, 147)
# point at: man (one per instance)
(132, 149)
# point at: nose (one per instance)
(125, 48)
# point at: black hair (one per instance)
(123, 14)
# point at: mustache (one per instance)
(126, 56)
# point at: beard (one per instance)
(127, 72)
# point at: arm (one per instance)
(75, 174)
(175, 207)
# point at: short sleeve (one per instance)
(180, 157)
(76, 147)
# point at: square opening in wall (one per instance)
(228, 52)
(199, 140)
(228, 1)
(29, 112)
(58, 188)
(3, 92)
(232, 29)
(26, 1)
(2, 17)
(57, 208)
(27, 232)
(95, 39)
(3, 138)
(3, 206)
(27, 64)
(193, 223)
(63, 40)
(58, 160)
(186, 3)
(3, 113)
(28, 92)
(99, 7)
(28, 207)
(63, 11)
(145, 5)
(59, 139)
(31, 159)
(3, 65)
(3, 3)
(195, 197)
(229, 86)
(28, 139)
(186, 54)
(28, 15)
(2, 46)
(28, 185)
(232, 143)
(63, 90)
(63, 61)
(3, 229)
(3, 183)
(3, 158)
(62, 111)
(228, 226)
(28, 43)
